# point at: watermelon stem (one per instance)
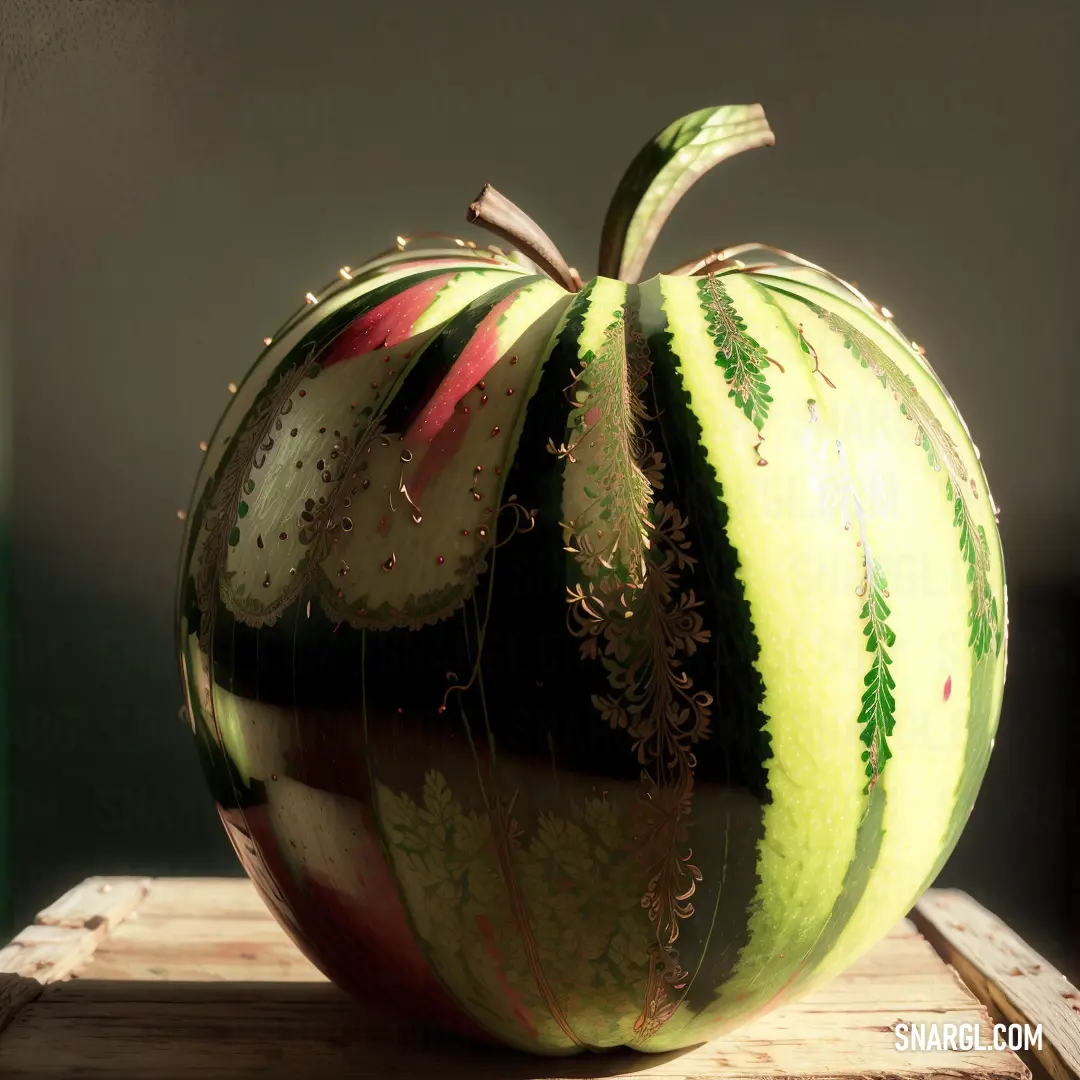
(661, 174)
(493, 211)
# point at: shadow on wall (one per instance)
(106, 780)
(1020, 854)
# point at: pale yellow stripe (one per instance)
(912, 535)
(457, 294)
(800, 572)
(605, 301)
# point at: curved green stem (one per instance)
(664, 171)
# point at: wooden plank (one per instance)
(96, 902)
(1012, 980)
(205, 898)
(199, 981)
(15, 992)
(66, 934)
(48, 953)
(151, 950)
(204, 930)
(63, 939)
(259, 1030)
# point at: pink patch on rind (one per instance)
(477, 358)
(948, 688)
(389, 324)
(439, 451)
(520, 1011)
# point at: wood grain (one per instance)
(1013, 981)
(66, 934)
(15, 992)
(197, 980)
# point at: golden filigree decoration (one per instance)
(632, 614)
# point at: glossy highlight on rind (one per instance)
(567, 668)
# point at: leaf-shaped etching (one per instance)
(983, 617)
(447, 865)
(608, 511)
(744, 360)
(930, 435)
(878, 713)
(577, 880)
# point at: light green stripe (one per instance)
(929, 794)
(813, 682)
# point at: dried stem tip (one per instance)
(496, 213)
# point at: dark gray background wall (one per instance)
(175, 174)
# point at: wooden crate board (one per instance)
(193, 978)
(1017, 984)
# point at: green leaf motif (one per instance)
(983, 616)
(606, 435)
(942, 452)
(744, 360)
(577, 873)
(878, 713)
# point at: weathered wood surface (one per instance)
(1014, 982)
(192, 978)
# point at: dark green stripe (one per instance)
(982, 721)
(869, 838)
(273, 670)
(233, 648)
(442, 353)
(731, 776)
(500, 724)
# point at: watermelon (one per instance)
(581, 664)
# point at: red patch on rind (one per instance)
(948, 688)
(477, 358)
(520, 1012)
(361, 939)
(389, 324)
